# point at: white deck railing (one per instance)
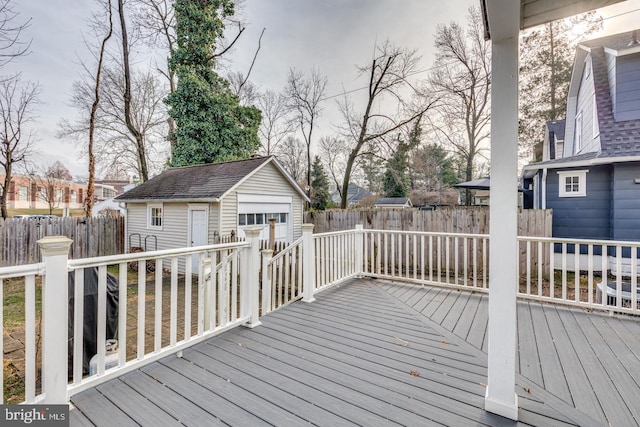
(165, 306)
(172, 307)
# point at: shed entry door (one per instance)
(198, 232)
(256, 211)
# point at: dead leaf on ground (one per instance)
(401, 342)
(415, 373)
(444, 342)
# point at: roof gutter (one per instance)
(189, 200)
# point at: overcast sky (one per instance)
(332, 35)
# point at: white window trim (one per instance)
(582, 183)
(596, 125)
(577, 146)
(149, 207)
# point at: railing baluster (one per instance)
(528, 256)
(173, 317)
(102, 317)
(141, 307)
(576, 269)
(235, 256)
(157, 334)
(187, 297)
(590, 273)
(30, 338)
(618, 276)
(78, 324)
(564, 271)
(475, 262)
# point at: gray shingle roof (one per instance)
(208, 181)
(557, 127)
(617, 138)
(392, 201)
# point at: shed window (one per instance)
(572, 183)
(154, 216)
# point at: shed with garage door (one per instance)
(207, 204)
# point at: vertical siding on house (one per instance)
(626, 201)
(582, 217)
(627, 94)
(266, 181)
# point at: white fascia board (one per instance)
(579, 163)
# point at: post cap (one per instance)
(252, 232)
(307, 227)
(54, 245)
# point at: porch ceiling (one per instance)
(532, 13)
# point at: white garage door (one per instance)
(256, 210)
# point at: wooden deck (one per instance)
(371, 352)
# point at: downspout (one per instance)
(543, 196)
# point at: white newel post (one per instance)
(267, 254)
(308, 263)
(359, 248)
(55, 303)
(501, 397)
(251, 281)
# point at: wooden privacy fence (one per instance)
(91, 237)
(465, 220)
(450, 220)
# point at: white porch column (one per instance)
(55, 303)
(501, 398)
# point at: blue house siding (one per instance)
(626, 201)
(627, 94)
(582, 217)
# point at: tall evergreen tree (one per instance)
(547, 55)
(211, 124)
(319, 186)
(396, 179)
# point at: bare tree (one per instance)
(369, 129)
(463, 76)
(304, 96)
(51, 181)
(334, 154)
(97, 25)
(274, 126)
(115, 146)
(292, 156)
(17, 103)
(10, 31)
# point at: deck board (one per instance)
(373, 352)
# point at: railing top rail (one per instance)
(428, 233)
(579, 241)
(334, 233)
(164, 253)
(286, 250)
(21, 270)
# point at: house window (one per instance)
(23, 194)
(154, 216)
(572, 183)
(578, 134)
(261, 218)
(74, 197)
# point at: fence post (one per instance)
(55, 309)
(267, 254)
(251, 280)
(359, 249)
(308, 263)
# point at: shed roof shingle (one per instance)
(208, 181)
